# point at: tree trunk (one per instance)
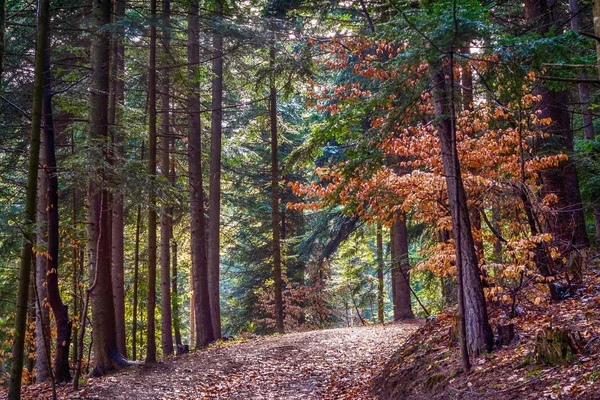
(402, 302)
(380, 267)
(275, 218)
(476, 329)
(75, 280)
(584, 88)
(214, 207)
(59, 309)
(568, 224)
(165, 218)
(466, 74)
(394, 273)
(29, 217)
(150, 320)
(42, 316)
(201, 322)
(106, 354)
(30, 323)
(174, 290)
(118, 212)
(136, 279)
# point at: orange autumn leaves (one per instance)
(495, 143)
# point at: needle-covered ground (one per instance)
(326, 364)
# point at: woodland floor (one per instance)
(325, 364)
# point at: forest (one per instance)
(299, 199)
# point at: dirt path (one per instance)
(327, 364)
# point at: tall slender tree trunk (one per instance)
(106, 354)
(380, 266)
(467, 104)
(59, 309)
(42, 316)
(568, 224)
(275, 219)
(175, 290)
(29, 217)
(31, 350)
(214, 206)
(394, 273)
(150, 320)
(165, 218)
(174, 255)
(75, 277)
(584, 88)
(201, 322)
(136, 280)
(476, 332)
(401, 264)
(118, 213)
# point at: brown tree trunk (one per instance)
(214, 206)
(118, 213)
(174, 290)
(106, 354)
(150, 320)
(476, 329)
(29, 216)
(201, 323)
(394, 273)
(567, 225)
(75, 280)
(402, 302)
(584, 88)
(59, 309)
(380, 267)
(42, 320)
(275, 218)
(165, 218)
(136, 280)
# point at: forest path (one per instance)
(325, 364)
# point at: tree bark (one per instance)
(150, 320)
(201, 322)
(467, 105)
(380, 266)
(42, 316)
(59, 309)
(568, 224)
(477, 331)
(136, 279)
(75, 279)
(165, 218)
(394, 273)
(214, 207)
(174, 290)
(275, 218)
(29, 217)
(402, 302)
(584, 88)
(106, 354)
(118, 212)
